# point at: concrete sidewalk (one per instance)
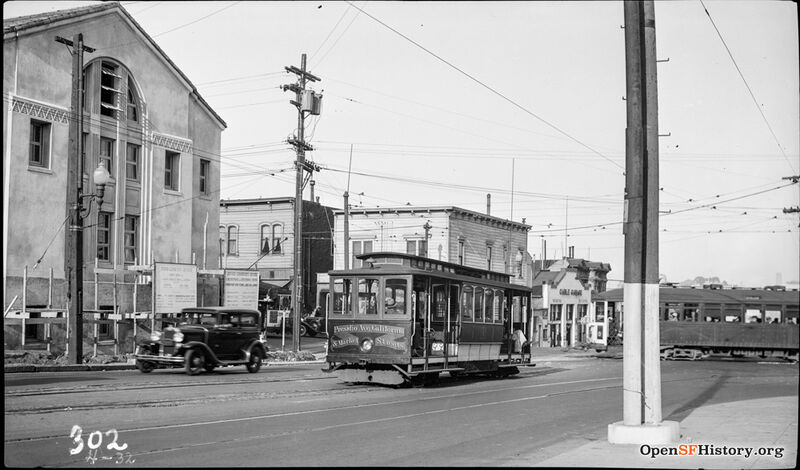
(768, 426)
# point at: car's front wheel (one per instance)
(254, 364)
(195, 361)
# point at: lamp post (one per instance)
(100, 177)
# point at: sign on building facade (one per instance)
(241, 289)
(175, 287)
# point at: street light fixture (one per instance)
(518, 259)
(101, 177)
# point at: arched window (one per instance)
(277, 239)
(132, 102)
(266, 233)
(233, 237)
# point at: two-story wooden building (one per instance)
(259, 234)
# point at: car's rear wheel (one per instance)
(145, 366)
(195, 361)
(254, 364)
(303, 330)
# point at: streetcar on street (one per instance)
(405, 319)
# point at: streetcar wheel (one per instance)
(145, 366)
(254, 364)
(195, 361)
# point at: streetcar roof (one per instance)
(389, 263)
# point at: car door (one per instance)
(226, 338)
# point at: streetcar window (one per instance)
(690, 312)
(368, 296)
(439, 303)
(395, 296)
(479, 304)
(772, 316)
(467, 304)
(342, 297)
(487, 318)
(454, 305)
(752, 315)
(498, 299)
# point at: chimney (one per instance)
(544, 251)
(312, 189)
(488, 204)
(571, 252)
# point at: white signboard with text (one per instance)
(241, 289)
(175, 287)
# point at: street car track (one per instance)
(415, 399)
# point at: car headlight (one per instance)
(178, 336)
(366, 344)
(155, 336)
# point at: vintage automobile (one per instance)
(204, 338)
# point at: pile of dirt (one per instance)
(289, 356)
(51, 359)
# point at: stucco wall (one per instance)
(38, 72)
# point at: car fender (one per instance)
(257, 344)
(204, 347)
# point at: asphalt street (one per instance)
(296, 415)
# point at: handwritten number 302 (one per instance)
(94, 441)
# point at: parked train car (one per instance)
(404, 319)
(696, 323)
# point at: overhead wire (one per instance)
(749, 90)
(492, 90)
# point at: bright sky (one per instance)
(443, 102)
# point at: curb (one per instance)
(8, 369)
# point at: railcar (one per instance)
(695, 340)
(735, 322)
(404, 319)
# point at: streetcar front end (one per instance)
(369, 327)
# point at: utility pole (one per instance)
(73, 248)
(306, 102)
(427, 228)
(347, 214)
(641, 356)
